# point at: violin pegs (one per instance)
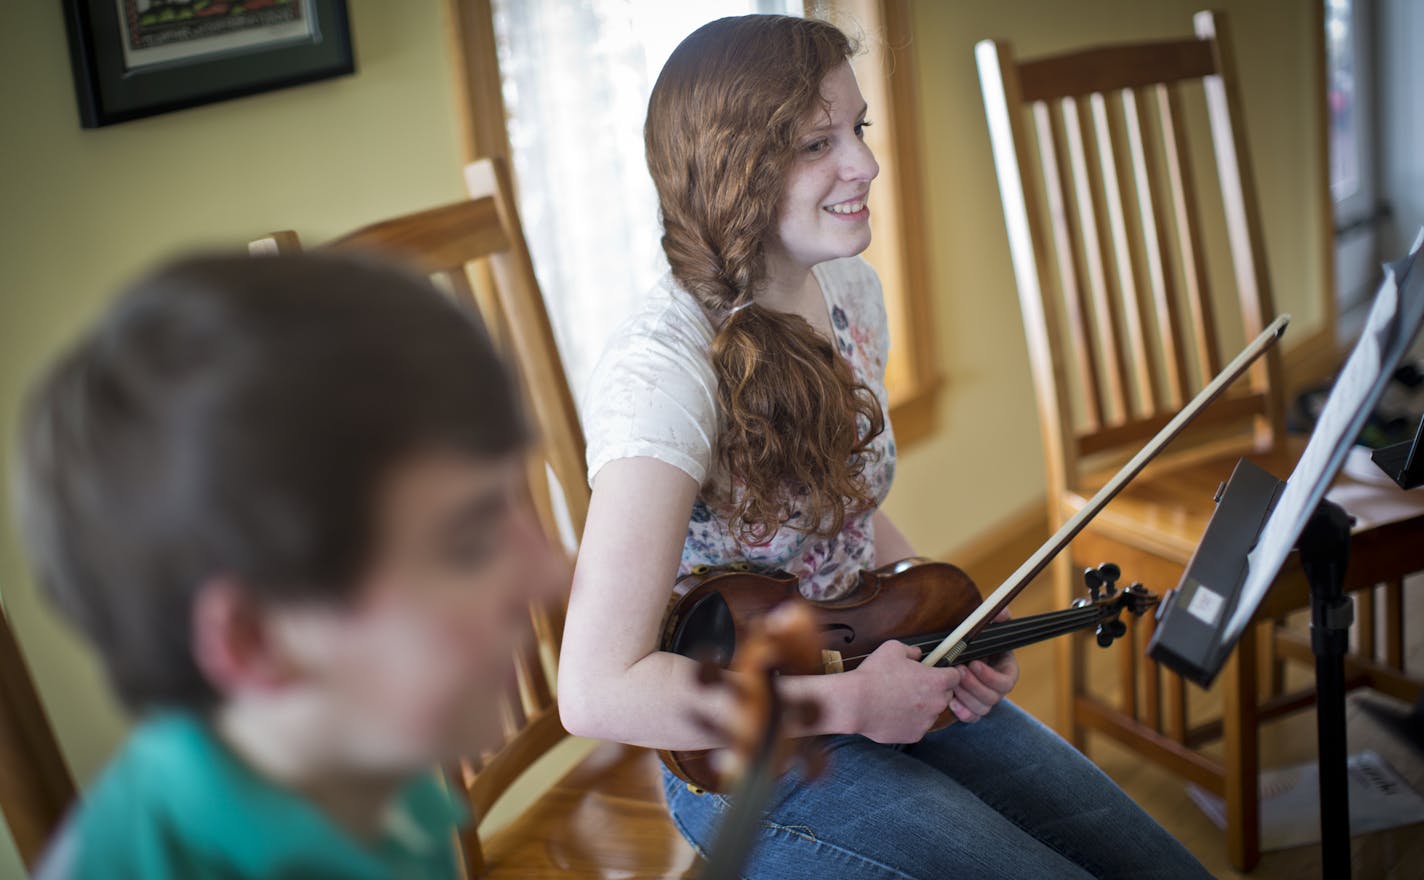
(814, 761)
(807, 712)
(708, 673)
(1110, 573)
(1093, 580)
(1109, 631)
(707, 725)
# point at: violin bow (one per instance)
(954, 644)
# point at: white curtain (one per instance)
(577, 75)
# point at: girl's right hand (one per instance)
(898, 697)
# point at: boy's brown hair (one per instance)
(236, 416)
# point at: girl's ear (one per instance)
(232, 639)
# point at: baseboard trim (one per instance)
(1027, 525)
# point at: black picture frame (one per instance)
(111, 87)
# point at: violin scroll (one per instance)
(784, 641)
(1103, 592)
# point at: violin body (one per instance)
(915, 601)
(711, 610)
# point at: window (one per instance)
(1349, 92)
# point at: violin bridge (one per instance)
(831, 661)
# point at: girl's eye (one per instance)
(861, 127)
(817, 146)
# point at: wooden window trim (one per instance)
(913, 401)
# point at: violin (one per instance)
(917, 601)
(785, 641)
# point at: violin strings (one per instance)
(995, 642)
(1041, 626)
(1012, 628)
(980, 648)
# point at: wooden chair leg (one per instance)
(1394, 624)
(1274, 677)
(1151, 676)
(1176, 715)
(36, 787)
(1365, 623)
(1127, 675)
(467, 839)
(1070, 675)
(1240, 738)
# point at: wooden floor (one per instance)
(606, 819)
(1391, 854)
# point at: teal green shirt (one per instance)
(177, 803)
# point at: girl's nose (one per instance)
(860, 163)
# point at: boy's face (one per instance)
(411, 672)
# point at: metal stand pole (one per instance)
(1324, 553)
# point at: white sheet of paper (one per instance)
(1394, 320)
(1290, 801)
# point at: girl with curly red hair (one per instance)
(740, 416)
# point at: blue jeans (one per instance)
(1004, 797)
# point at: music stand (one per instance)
(1259, 520)
(1403, 461)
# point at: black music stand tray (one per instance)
(1259, 520)
(1404, 462)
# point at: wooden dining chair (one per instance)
(36, 788)
(605, 817)
(1109, 235)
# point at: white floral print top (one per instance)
(653, 393)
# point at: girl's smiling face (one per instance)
(824, 214)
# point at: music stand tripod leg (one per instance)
(1324, 552)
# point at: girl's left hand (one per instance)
(984, 684)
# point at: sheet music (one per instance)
(1394, 320)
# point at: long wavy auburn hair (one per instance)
(721, 133)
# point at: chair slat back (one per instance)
(475, 251)
(1106, 232)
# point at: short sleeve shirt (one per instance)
(654, 394)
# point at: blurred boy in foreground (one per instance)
(284, 498)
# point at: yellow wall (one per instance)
(83, 211)
(986, 462)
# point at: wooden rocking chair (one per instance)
(606, 817)
(1104, 218)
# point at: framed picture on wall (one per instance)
(136, 58)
